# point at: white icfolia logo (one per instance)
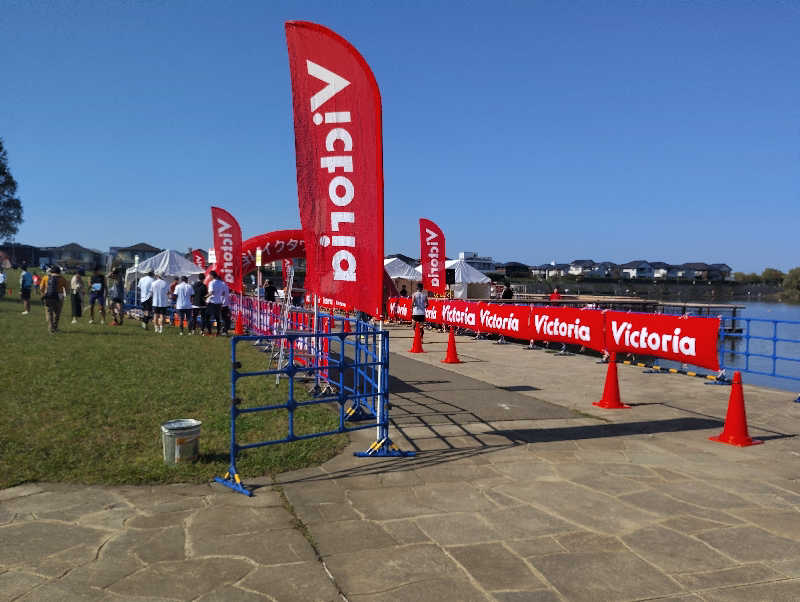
(341, 191)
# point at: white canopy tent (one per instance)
(169, 263)
(401, 274)
(470, 283)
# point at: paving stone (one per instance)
(457, 529)
(155, 545)
(14, 584)
(788, 568)
(674, 552)
(782, 591)
(494, 567)
(160, 500)
(586, 541)
(232, 594)
(584, 507)
(528, 470)
(540, 595)
(453, 497)
(220, 521)
(603, 576)
(405, 531)
(702, 494)
(19, 491)
(56, 591)
(263, 497)
(110, 520)
(611, 485)
(305, 581)
(277, 546)
(750, 573)
(523, 522)
(6, 516)
(185, 580)
(66, 505)
(783, 523)
(389, 503)
(159, 521)
(59, 563)
(350, 536)
(434, 590)
(750, 544)
(31, 542)
(660, 503)
(393, 567)
(536, 546)
(103, 572)
(691, 524)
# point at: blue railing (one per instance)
(761, 346)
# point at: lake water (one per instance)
(774, 330)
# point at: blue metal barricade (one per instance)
(761, 346)
(361, 355)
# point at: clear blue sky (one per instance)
(529, 131)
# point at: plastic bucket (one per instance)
(181, 440)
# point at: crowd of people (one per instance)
(198, 306)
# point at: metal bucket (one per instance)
(181, 440)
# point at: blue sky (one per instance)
(529, 131)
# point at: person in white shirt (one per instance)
(160, 291)
(419, 301)
(183, 301)
(217, 291)
(225, 310)
(146, 296)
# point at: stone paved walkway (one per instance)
(521, 490)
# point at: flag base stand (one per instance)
(357, 414)
(383, 449)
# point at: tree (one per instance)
(10, 205)
(791, 286)
(772, 275)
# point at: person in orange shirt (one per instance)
(555, 296)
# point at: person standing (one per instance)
(146, 295)
(508, 293)
(270, 291)
(97, 294)
(225, 310)
(117, 294)
(160, 302)
(403, 291)
(216, 295)
(25, 286)
(183, 302)
(419, 302)
(175, 282)
(2, 284)
(199, 309)
(53, 288)
(77, 289)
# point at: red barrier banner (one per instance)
(198, 259)
(568, 325)
(339, 152)
(461, 314)
(432, 256)
(508, 320)
(280, 244)
(228, 248)
(433, 313)
(399, 308)
(685, 339)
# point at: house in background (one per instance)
(482, 264)
(695, 270)
(125, 256)
(539, 271)
(638, 269)
(557, 270)
(719, 271)
(660, 269)
(605, 269)
(581, 267)
(72, 256)
(513, 269)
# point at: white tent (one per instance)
(170, 263)
(401, 274)
(470, 283)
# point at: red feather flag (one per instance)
(339, 152)
(432, 256)
(228, 248)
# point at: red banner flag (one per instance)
(198, 259)
(432, 256)
(339, 151)
(228, 248)
(685, 339)
(274, 246)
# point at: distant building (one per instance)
(482, 264)
(125, 256)
(404, 258)
(539, 271)
(71, 257)
(14, 253)
(637, 269)
(719, 271)
(605, 269)
(696, 270)
(581, 267)
(557, 270)
(513, 269)
(660, 269)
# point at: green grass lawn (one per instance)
(86, 405)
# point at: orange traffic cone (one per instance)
(345, 324)
(735, 431)
(239, 330)
(416, 346)
(175, 319)
(610, 400)
(452, 356)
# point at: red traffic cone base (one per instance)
(239, 327)
(416, 346)
(452, 356)
(735, 431)
(610, 400)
